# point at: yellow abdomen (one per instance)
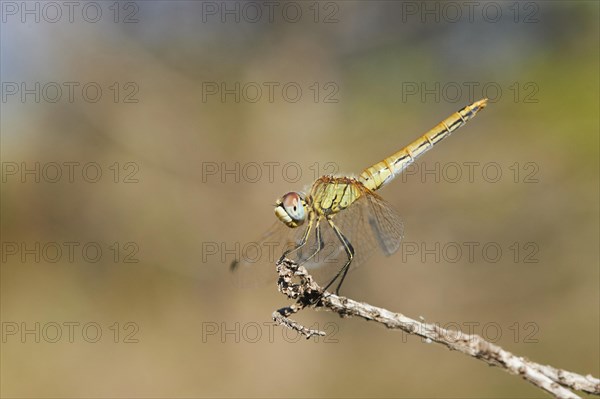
(383, 172)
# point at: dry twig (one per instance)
(296, 283)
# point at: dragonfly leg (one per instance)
(302, 242)
(349, 251)
(319, 241)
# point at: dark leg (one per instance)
(302, 242)
(319, 240)
(349, 251)
(346, 268)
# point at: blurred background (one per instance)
(144, 143)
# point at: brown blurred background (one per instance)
(373, 76)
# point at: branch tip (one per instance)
(307, 293)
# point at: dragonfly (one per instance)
(344, 216)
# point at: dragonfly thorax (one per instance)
(333, 194)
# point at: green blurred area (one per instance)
(544, 124)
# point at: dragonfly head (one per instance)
(290, 209)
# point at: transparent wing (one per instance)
(386, 226)
(370, 225)
(256, 266)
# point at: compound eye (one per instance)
(292, 203)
